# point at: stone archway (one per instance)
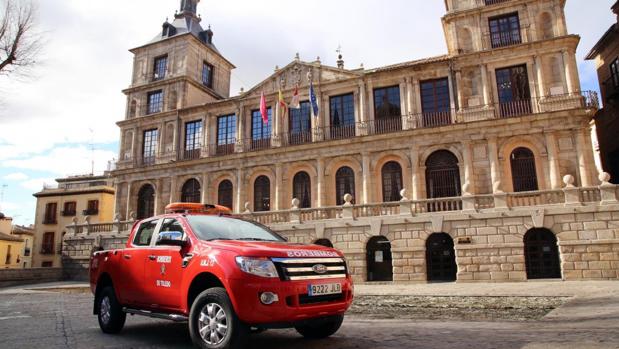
(441, 258)
(379, 260)
(541, 254)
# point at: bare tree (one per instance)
(19, 41)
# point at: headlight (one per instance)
(257, 266)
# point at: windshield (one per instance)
(227, 228)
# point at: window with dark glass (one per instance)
(435, 102)
(145, 233)
(193, 140)
(207, 74)
(146, 202)
(513, 90)
(344, 184)
(191, 191)
(505, 30)
(161, 65)
(70, 209)
(387, 102)
(92, 208)
(226, 134)
(392, 181)
(442, 175)
(300, 123)
(302, 189)
(342, 116)
(50, 213)
(614, 72)
(47, 247)
(149, 148)
(225, 194)
(155, 102)
(260, 131)
(262, 194)
(524, 174)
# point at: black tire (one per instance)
(237, 333)
(321, 328)
(111, 321)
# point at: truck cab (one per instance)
(223, 275)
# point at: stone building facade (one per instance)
(495, 124)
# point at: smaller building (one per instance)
(11, 246)
(26, 234)
(606, 56)
(76, 199)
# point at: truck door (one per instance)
(131, 274)
(164, 270)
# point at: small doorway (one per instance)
(441, 258)
(541, 255)
(379, 259)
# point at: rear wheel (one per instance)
(321, 328)
(213, 324)
(110, 313)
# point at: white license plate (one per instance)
(324, 289)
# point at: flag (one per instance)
(263, 109)
(295, 104)
(282, 103)
(313, 100)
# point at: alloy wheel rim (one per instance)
(213, 324)
(105, 310)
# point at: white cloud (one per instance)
(64, 161)
(17, 176)
(36, 185)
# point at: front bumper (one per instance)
(293, 306)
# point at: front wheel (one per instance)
(322, 328)
(213, 324)
(110, 312)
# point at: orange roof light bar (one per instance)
(183, 207)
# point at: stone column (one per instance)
(495, 168)
(568, 71)
(320, 192)
(485, 86)
(129, 198)
(370, 116)
(366, 177)
(459, 90)
(553, 161)
(541, 88)
(584, 150)
(279, 187)
(239, 206)
(159, 203)
(403, 105)
(468, 186)
(362, 118)
(452, 103)
(240, 129)
(173, 191)
(205, 188)
(415, 175)
(419, 109)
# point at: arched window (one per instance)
(146, 202)
(379, 261)
(442, 175)
(541, 254)
(392, 181)
(524, 174)
(302, 189)
(441, 258)
(262, 194)
(225, 194)
(191, 191)
(344, 184)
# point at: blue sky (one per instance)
(73, 98)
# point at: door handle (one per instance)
(152, 258)
(127, 256)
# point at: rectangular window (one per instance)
(8, 255)
(226, 134)
(300, 124)
(260, 132)
(193, 140)
(342, 110)
(145, 233)
(47, 247)
(505, 30)
(50, 213)
(435, 102)
(92, 208)
(207, 74)
(513, 90)
(387, 110)
(149, 148)
(614, 73)
(155, 102)
(70, 209)
(161, 65)
(47, 264)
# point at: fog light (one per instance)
(268, 298)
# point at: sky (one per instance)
(62, 117)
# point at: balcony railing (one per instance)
(70, 213)
(494, 2)
(91, 212)
(505, 39)
(47, 250)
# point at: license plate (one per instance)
(324, 289)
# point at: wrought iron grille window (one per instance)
(541, 255)
(513, 90)
(193, 140)
(224, 194)
(260, 132)
(92, 208)
(302, 189)
(149, 148)
(442, 175)
(262, 194)
(300, 123)
(505, 30)
(435, 102)
(161, 65)
(155, 102)
(226, 134)
(524, 175)
(146, 202)
(344, 184)
(392, 181)
(342, 110)
(207, 74)
(191, 191)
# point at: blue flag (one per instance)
(313, 100)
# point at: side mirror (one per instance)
(171, 238)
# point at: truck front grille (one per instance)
(294, 269)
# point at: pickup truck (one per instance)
(226, 276)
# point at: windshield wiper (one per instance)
(219, 239)
(254, 239)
